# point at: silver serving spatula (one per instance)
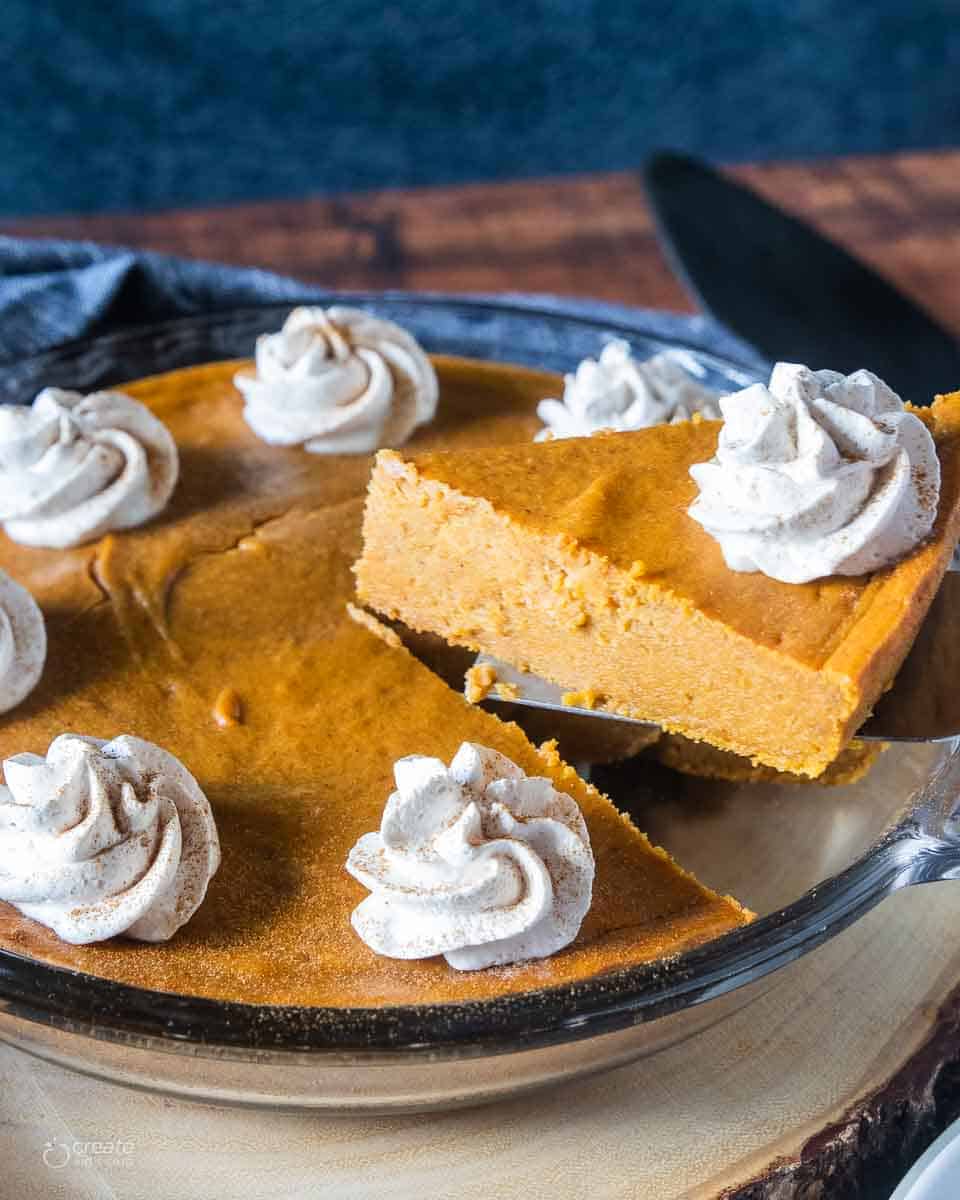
(922, 706)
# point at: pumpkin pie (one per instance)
(700, 758)
(222, 631)
(577, 560)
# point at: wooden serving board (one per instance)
(827, 1086)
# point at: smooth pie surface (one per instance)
(220, 632)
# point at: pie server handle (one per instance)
(923, 705)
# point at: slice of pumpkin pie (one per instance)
(753, 583)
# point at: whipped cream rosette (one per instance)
(105, 838)
(23, 643)
(818, 474)
(475, 861)
(338, 381)
(74, 467)
(619, 392)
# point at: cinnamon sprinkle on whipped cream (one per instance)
(338, 381)
(619, 392)
(476, 861)
(102, 838)
(23, 643)
(75, 467)
(818, 474)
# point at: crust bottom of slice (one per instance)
(706, 761)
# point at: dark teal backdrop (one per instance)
(143, 103)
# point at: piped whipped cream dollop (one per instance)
(818, 474)
(476, 861)
(105, 838)
(338, 381)
(74, 467)
(619, 392)
(23, 643)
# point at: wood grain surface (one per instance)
(816, 1090)
(824, 1089)
(581, 235)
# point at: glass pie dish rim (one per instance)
(920, 847)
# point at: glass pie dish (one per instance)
(808, 859)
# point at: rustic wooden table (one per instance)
(825, 1088)
(582, 236)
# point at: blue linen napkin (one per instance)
(54, 291)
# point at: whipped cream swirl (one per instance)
(478, 862)
(818, 474)
(338, 381)
(74, 467)
(619, 392)
(105, 838)
(23, 643)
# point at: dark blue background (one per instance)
(146, 103)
